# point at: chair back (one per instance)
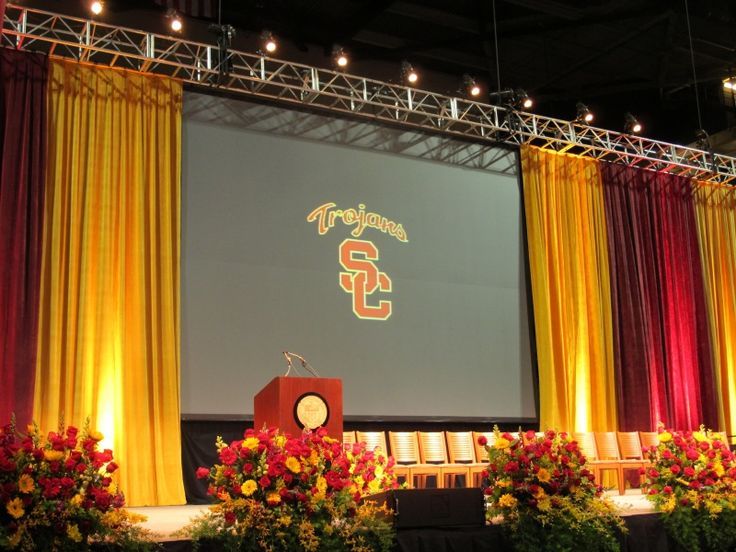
(373, 440)
(629, 445)
(460, 447)
(586, 442)
(481, 454)
(648, 438)
(348, 437)
(606, 445)
(432, 447)
(404, 446)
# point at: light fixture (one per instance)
(513, 98)
(339, 57)
(702, 140)
(268, 42)
(729, 83)
(471, 86)
(522, 99)
(175, 22)
(632, 124)
(96, 7)
(408, 74)
(584, 115)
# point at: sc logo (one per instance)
(363, 278)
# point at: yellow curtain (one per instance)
(568, 258)
(109, 315)
(715, 208)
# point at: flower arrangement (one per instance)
(275, 492)
(540, 488)
(692, 481)
(57, 493)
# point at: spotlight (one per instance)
(471, 87)
(339, 57)
(729, 83)
(408, 74)
(175, 22)
(268, 42)
(632, 124)
(702, 140)
(522, 99)
(584, 115)
(96, 7)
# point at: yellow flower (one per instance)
(73, 533)
(53, 455)
(313, 458)
(96, 436)
(76, 499)
(248, 488)
(280, 441)
(14, 540)
(507, 501)
(251, 443)
(544, 504)
(284, 521)
(15, 508)
(540, 493)
(31, 429)
(669, 504)
(501, 443)
(699, 437)
(503, 483)
(544, 476)
(273, 498)
(293, 465)
(664, 437)
(25, 483)
(713, 508)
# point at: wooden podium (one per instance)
(294, 404)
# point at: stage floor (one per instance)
(165, 521)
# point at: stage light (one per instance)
(632, 124)
(175, 22)
(522, 99)
(339, 57)
(268, 42)
(471, 87)
(584, 115)
(729, 83)
(408, 74)
(96, 7)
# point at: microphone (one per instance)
(303, 361)
(288, 362)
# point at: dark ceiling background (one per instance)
(616, 56)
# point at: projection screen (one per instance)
(389, 258)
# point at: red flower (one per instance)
(692, 454)
(228, 456)
(667, 489)
(482, 440)
(689, 471)
(202, 473)
(111, 467)
(264, 481)
(675, 469)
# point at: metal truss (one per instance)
(254, 75)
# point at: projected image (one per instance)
(389, 259)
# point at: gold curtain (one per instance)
(109, 314)
(568, 258)
(715, 208)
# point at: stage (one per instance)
(645, 530)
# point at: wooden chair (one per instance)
(373, 440)
(648, 439)
(405, 450)
(433, 450)
(607, 446)
(461, 450)
(587, 443)
(629, 447)
(348, 438)
(481, 454)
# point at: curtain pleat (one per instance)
(109, 310)
(23, 78)
(661, 336)
(715, 208)
(568, 259)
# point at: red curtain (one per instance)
(661, 343)
(23, 79)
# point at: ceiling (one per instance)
(616, 56)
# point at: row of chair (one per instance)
(454, 457)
